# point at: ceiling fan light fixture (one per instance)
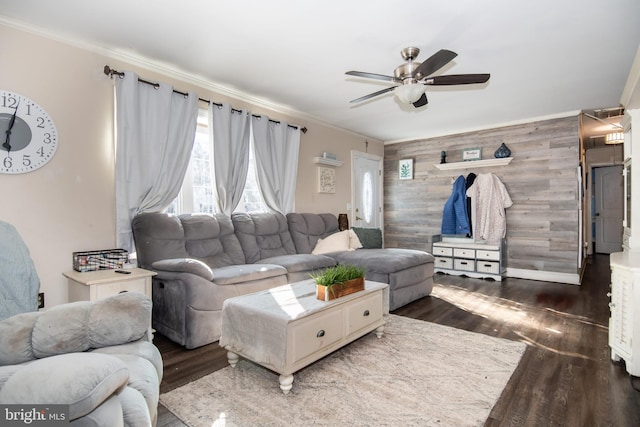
(409, 93)
(614, 138)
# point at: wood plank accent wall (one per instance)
(542, 224)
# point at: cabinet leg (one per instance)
(232, 358)
(379, 331)
(614, 356)
(286, 383)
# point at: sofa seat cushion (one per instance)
(302, 262)
(386, 261)
(235, 274)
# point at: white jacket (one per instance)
(489, 199)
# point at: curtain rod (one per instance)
(110, 72)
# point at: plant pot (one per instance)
(327, 293)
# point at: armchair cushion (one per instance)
(82, 325)
(81, 380)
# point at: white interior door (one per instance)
(608, 209)
(366, 190)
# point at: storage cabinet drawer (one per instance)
(438, 250)
(490, 255)
(488, 267)
(464, 264)
(363, 313)
(464, 253)
(111, 289)
(315, 333)
(440, 262)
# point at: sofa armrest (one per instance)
(81, 380)
(184, 265)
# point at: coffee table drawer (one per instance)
(364, 313)
(315, 333)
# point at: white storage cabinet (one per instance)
(463, 256)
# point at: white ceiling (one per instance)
(547, 58)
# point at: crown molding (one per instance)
(175, 73)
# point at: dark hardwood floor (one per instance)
(565, 378)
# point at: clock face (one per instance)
(28, 136)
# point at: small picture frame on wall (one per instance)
(471, 154)
(326, 180)
(405, 169)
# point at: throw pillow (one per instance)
(336, 242)
(354, 242)
(371, 238)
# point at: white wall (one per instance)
(69, 204)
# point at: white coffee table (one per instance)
(287, 328)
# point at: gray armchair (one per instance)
(19, 281)
(96, 357)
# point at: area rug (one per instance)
(418, 374)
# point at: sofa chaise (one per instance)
(202, 260)
(95, 357)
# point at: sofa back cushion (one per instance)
(207, 238)
(307, 228)
(263, 235)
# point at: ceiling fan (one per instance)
(413, 77)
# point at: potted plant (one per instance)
(338, 281)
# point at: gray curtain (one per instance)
(230, 141)
(276, 148)
(155, 133)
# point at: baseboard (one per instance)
(544, 276)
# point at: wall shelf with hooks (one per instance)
(328, 162)
(474, 164)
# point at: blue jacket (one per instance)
(455, 219)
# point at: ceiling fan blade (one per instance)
(457, 79)
(434, 63)
(373, 76)
(421, 102)
(371, 95)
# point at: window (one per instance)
(196, 195)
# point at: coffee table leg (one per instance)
(379, 331)
(286, 383)
(232, 358)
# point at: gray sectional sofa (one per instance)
(201, 260)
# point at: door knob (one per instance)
(358, 218)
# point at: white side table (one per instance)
(93, 285)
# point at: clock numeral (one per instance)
(47, 138)
(26, 160)
(7, 162)
(9, 101)
(29, 110)
(40, 151)
(40, 122)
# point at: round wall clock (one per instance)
(28, 136)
